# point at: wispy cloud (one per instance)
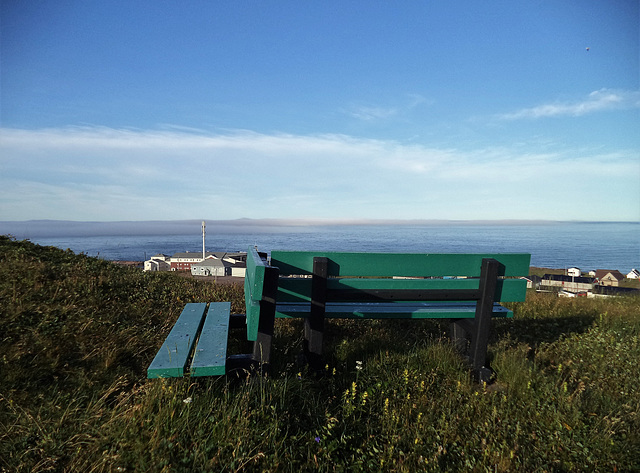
(123, 174)
(597, 101)
(369, 112)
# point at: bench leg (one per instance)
(314, 323)
(482, 323)
(459, 332)
(262, 346)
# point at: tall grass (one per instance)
(78, 333)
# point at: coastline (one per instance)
(586, 246)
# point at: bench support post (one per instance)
(314, 323)
(262, 346)
(482, 321)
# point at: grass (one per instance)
(78, 333)
(632, 283)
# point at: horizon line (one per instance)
(274, 221)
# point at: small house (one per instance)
(239, 269)
(633, 274)
(574, 272)
(157, 262)
(609, 277)
(211, 267)
(235, 258)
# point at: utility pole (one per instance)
(203, 253)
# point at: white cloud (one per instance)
(377, 112)
(368, 113)
(110, 174)
(596, 101)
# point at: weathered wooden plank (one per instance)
(414, 295)
(299, 289)
(210, 355)
(390, 310)
(399, 264)
(171, 359)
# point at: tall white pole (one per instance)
(203, 226)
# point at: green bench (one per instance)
(467, 289)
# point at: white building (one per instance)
(574, 272)
(237, 262)
(211, 267)
(218, 263)
(184, 261)
(239, 269)
(633, 274)
(158, 262)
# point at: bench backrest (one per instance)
(257, 274)
(292, 272)
(385, 271)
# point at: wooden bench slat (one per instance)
(299, 289)
(390, 310)
(412, 295)
(171, 359)
(253, 288)
(210, 355)
(399, 264)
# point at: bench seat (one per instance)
(210, 355)
(197, 343)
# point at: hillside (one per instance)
(78, 333)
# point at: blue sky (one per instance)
(159, 110)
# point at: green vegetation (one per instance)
(533, 271)
(633, 283)
(78, 333)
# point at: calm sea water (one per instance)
(557, 245)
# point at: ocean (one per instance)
(553, 245)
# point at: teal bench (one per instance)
(197, 343)
(467, 289)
